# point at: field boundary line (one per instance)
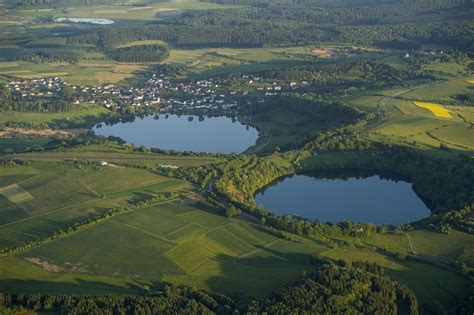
(259, 248)
(149, 233)
(183, 227)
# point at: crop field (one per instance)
(221, 59)
(126, 11)
(142, 42)
(85, 192)
(181, 243)
(15, 193)
(437, 109)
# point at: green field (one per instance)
(82, 116)
(180, 242)
(84, 193)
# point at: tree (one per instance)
(232, 212)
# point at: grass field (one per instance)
(455, 246)
(78, 116)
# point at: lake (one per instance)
(184, 133)
(363, 199)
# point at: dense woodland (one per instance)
(142, 53)
(360, 288)
(45, 56)
(272, 23)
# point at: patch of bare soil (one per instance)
(322, 52)
(44, 264)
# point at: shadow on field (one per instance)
(79, 286)
(260, 274)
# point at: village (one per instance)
(159, 91)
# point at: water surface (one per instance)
(365, 199)
(184, 133)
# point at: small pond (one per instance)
(184, 133)
(337, 197)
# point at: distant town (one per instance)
(211, 93)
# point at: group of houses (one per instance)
(158, 90)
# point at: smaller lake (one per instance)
(184, 133)
(86, 20)
(369, 199)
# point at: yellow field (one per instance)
(15, 193)
(437, 109)
(470, 81)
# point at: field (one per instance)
(437, 109)
(81, 116)
(87, 71)
(422, 124)
(86, 191)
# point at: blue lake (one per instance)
(364, 199)
(184, 133)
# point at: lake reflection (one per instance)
(184, 133)
(358, 199)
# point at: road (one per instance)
(432, 260)
(384, 100)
